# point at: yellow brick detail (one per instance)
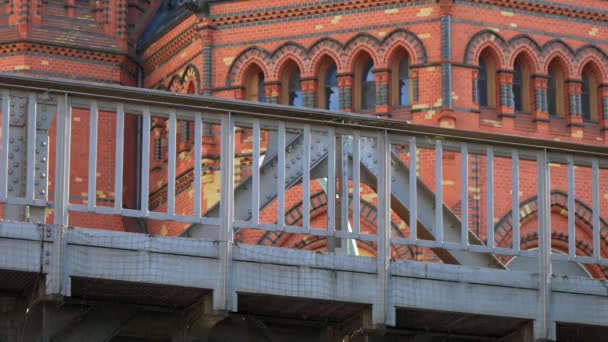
(424, 36)
(506, 13)
(420, 106)
(228, 60)
(593, 31)
(495, 29)
(392, 11)
(44, 62)
(336, 19)
(513, 25)
(577, 134)
(318, 27)
(381, 33)
(429, 115)
(22, 67)
(425, 12)
(448, 182)
(429, 69)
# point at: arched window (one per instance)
(327, 93)
(586, 98)
(486, 80)
(254, 88)
(368, 87)
(291, 85)
(365, 84)
(404, 82)
(295, 89)
(482, 84)
(521, 83)
(589, 95)
(400, 81)
(555, 90)
(517, 89)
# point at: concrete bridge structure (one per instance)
(412, 269)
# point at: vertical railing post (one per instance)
(382, 312)
(544, 326)
(224, 298)
(57, 280)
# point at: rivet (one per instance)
(42, 192)
(43, 143)
(43, 175)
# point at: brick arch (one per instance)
(558, 49)
(559, 241)
(483, 39)
(559, 200)
(286, 52)
(358, 44)
(180, 82)
(325, 47)
(253, 55)
(318, 204)
(592, 54)
(176, 84)
(524, 44)
(192, 75)
(407, 40)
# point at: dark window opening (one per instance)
(368, 87)
(404, 82)
(295, 89)
(482, 84)
(331, 88)
(586, 99)
(518, 89)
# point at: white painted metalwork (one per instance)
(281, 178)
(196, 157)
(31, 148)
(438, 192)
(464, 195)
(490, 196)
(306, 181)
(145, 162)
(515, 197)
(119, 156)
(413, 192)
(298, 158)
(4, 143)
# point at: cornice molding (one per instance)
(549, 8)
(274, 13)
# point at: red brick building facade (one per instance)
(524, 68)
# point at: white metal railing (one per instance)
(359, 156)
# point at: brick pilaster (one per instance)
(574, 107)
(382, 77)
(345, 91)
(309, 89)
(206, 32)
(541, 106)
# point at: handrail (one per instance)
(112, 92)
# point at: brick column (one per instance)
(345, 92)
(415, 86)
(272, 92)
(574, 107)
(382, 77)
(506, 102)
(474, 86)
(603, 110)
(541, 107)
(206, 32)
(309, 89)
